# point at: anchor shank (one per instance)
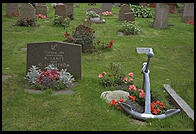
(147, 96)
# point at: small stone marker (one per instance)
(161, 15)
(188, 13)
(106, 7)
(26, 11)
(180, 102)
(12, 9)
(5, 77)
(141, 50)
(41, 9)
(97, 19)
(60, 54)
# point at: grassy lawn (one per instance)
(172, 64)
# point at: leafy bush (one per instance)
(129, 28)
(92, 14)
(61, 21)
(142, 12)
(49, 78)
(26, 22)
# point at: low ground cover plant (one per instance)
(129, 28)
(51, 77)
(26, 22)
(141, 12)
(61, 21)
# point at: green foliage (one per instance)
(61, 21)
(26, 22)
(141, 12)
(129, 28)
(92, 14)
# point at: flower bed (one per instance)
(107, 13)
(129, 28)
(51, 77)
(115, 79)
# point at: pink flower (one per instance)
(130, 79)
(104, 73)
(132, 87)
(141, 90)
(141, 95)
(100, 76)
(125, 79)
(131, 74)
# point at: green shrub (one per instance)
(26, 22)
(141, 12)
(61, 21)
(129, 28)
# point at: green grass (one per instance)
(172, 64)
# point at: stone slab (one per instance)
(5, 77)
(180, 102)
(141, 50)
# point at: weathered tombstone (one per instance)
(60, 54)
(161, 15)
(106, 7)
(129, 16)
(60, 10)
(116, 4)
(26, 11)
(188, 13)
(125, 8)
(83, 31)
(41, 9)
(11, 9)
(69, 10)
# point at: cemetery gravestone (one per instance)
(143, 4)
(129, 16)
(60, 10)
(106, 7)
(41, 9)
(60, 54)
(83, 31)
(69, 10)
(123, 9)
(27, 11)
(161, 15)
(99, 12)
(188, 13)
(11, 9)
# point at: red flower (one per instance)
(132, 98)
(125, 79)
(171, 11)
(104, 73)
(131, 74)
(130, 79)
(157, 102)
(120, 100)
(114, 102)
(154, 111)
(110, 44)
(141, 95)
(66, 34)
(100, 76)
(191, 22)
(132, 87)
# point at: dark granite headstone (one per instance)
(125, 8)
(26, 11)
(41, 9)
(106, 7)
(60, 54)
(60, 10)
(12, 9)
(161, 15)
(188, 13)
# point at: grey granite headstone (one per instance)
(41, 9)
(12, 9)
(60, 54)
(188, 13)
(129, 16)
(69, 10)
(60, 10)
(143, 4)
(27, 11)
(125, 8)
(161, 15)
(106, 7)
